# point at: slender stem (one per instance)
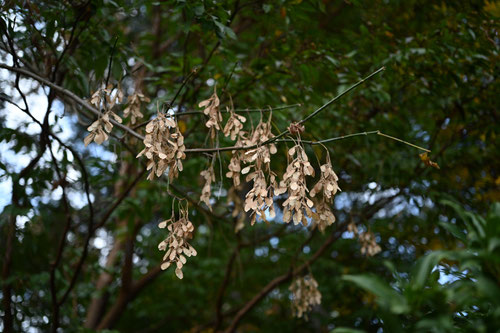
(226, 82)
(341, 94)
(403, 141)
(327, 104)
(193, 72)
(355, 134)
(111, 61)
(307, 142)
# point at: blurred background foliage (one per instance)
(439, 230)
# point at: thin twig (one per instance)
(226, 82)
(355, 134)
(403, 141)
(307, 142)
(269, 109)
(341, 94)
(186, 80)
(111, 61)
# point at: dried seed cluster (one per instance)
(294, 182)
(260, 197)
(324, 216)
(209, 176)
(164, 147)
(367, 240)
(369, 246)
(102, 99)
(99, 128)
(235, 166)
(261, 156)
(234, 124)
(211, 110)
(176, 244)
(328, 187)
(327, 183)
(237, 155)
(134, 106)
(305, 295)
(258, 158)
(237, 211)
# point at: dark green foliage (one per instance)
(439, 230)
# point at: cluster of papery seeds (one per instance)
(260, 197)
(294, 181)
(323, 216)
(305, 295)
(134, 106)
(164, 147)
(99, 128)
(328, 186)
(211, 109)
(369, 246)
(328, 182)
(176, 244)
(209, 177)
(261, 156)
(234, 124)
(102, 99)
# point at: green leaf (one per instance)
(346, 330)
(267, 8)
(424, 268)
(199, 10)
(387, 296)
(454, 230)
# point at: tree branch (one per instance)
(282, 279)
(62, 244)
(8, 317)
(71, 95)
(117, 203)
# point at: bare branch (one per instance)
(282, 279)
(118, 201)
(8, 317)
(71, 95)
